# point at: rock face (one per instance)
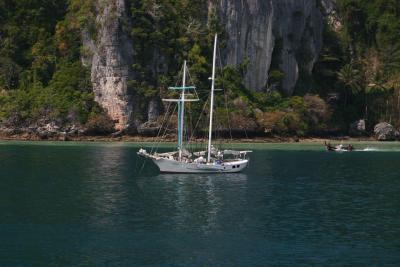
(329, 6)
(290, 31)
(149, 128)
(110, 58)
(153, 109)
(284, 34)
(249, 27)
(386, 132)
(358, 128)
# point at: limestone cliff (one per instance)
(259, 29)
(110, 57)
(285, 34)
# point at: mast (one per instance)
(181, 112)
(212, 99)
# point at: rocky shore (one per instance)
(51, 132)
(77, 136)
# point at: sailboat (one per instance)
(211, 160)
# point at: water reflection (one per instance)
(199, 199)
(106, 184)
(71, 205)
(228, 177)
(117, 195)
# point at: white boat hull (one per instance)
(172, 166)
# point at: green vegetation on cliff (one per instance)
(41, 75)
(42, 78)
(361, 62)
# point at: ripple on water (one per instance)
(294, 206)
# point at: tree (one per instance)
(351, 79)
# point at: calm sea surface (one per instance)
(296, 205)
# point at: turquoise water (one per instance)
(94, 204)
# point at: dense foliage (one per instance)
(41, 75)
(42, 78)
(167, 32)
(361, 62)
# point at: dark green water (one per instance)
(88, 205)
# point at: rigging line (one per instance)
(166, 114)
(191, 81)
(155, 144)
(178, 79)
(198, 121)
(166, 128)
(190, 133)
(161, 127)
(189, 129)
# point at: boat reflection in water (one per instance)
(199, 201)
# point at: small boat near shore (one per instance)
(339, 148)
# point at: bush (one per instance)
(99, 124)
(283, 123)
(242, 122)
(68, 98)
(269, 120)
(293, 123)
(295, 115)
(317, 112)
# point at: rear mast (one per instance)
(212, 100)
(181, 110)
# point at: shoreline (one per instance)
(144, 139)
